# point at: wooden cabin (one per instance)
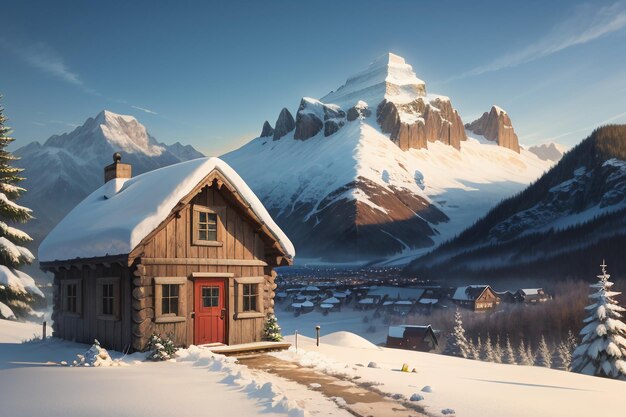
(476, 297)
(186, 251)
(422, 338)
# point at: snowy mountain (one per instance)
(378, 168)
(571, 217)
(68, 167)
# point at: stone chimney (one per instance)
(117, 169)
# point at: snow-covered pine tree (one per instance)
(522, 354)
(488, 349)
(271, 329)
(479, 349)
(18, 292)
(497, 351)
(509, 354)
(565, 350)
(530, 355)
(544, 354)
(602, 350)
(474, 352)
(457, 344)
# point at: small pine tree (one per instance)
(497, 351)
(602, 351)
(565, 350)
(530, 355)
(474, 352)
(489, 355)
(509, 354)
(479, 349)
(457, 344)
(12, 254)
(271, 329)
(544, 354)
(522, 354)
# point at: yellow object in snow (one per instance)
(405, 367)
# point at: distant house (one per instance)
(395, 293)
(187, 251)
(508, 297)
(476, 297)
(533, 295)
(410, 337)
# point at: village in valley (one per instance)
(373, 249)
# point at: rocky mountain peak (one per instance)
(284, 124)
(267, 130)
(549, 151)
(496, 126)
(388, 77)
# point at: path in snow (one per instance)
(361, 400)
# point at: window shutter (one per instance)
(117, 299)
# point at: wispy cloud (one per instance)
(44, 58)
(588, 23)
(143, 109)
(591, 127)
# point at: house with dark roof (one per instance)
(533, 295)
(412, 337)
(186, 251)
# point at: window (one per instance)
(249, 297)
(108, 298)
(210, 296)
(250, 294)
(205, 226)
(169, 299)
(169, 303)
(71, 296)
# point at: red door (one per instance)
(210, 311)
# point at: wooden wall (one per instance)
(169, 253)
(84, 328)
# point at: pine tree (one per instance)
(271, 329)
(530, 355)
(602, 351)
(544, 354)
(457, 344)
(565, 350)
(522, 354)
(12, 254)
(474, 351)
(497, 351)
(479, 349)
(488, 350)
(509, 354)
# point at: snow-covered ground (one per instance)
(197, 383)
(470, 388)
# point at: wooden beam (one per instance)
(202, 261)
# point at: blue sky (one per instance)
(210, 73)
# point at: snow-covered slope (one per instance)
(345, 191)
(572, 214)
(68, 167)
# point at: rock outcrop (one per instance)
(496, 126)
(413, 125)
(284, 124)
(313, 116)
(267, 130)
(360, 109)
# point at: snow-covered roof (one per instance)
(311, 288)
(307, 304)
(101, 226)
(366, 301)
(468, 293)
(429, 301)
(405, 293)
(530, 291)
(327, 305)
(331, 300)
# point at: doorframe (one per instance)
(227, 278)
